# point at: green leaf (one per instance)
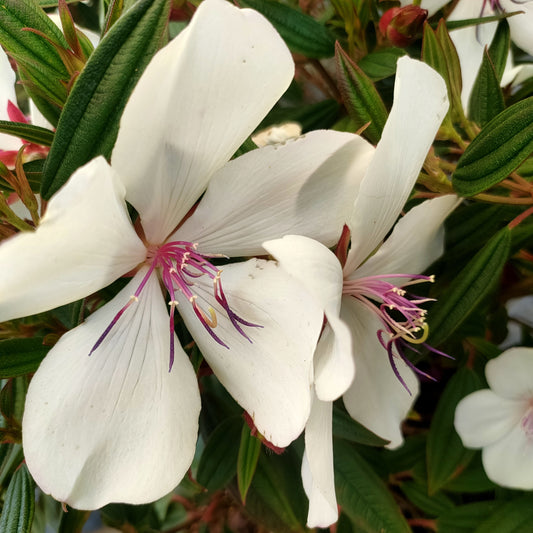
(513, 517)
(302, 33)
(433, 505)
(486, 99)
(363, 496)
(381, 64)
(276, 496)
(465, 518)
(470, 286)
(12, 398)
(19, 503)
(499, 48)
(472, 479)
(21, 356)
(33, 134)
(218, 463)
(454, 79)
(362, 101)
(502, 145)
(40, 65)
(10, 458)
(249, 450)
(438, 51)
(89, 123)
(345, 427)
(446, 455)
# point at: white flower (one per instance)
(471, 41)
(360, 353)
(500, 419)
(118, 426)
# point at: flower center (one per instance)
(181, 265)
(404, 322)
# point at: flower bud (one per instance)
(402, 25)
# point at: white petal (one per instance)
(271, 376)
(306, 186)
(84, 242)
(509, 461)
(320, 273)
(431, 5)
(197, 101)
(317, 466)
(510, 375)
(415, 243)
(7, 93)
(482, 418)
(334, 360)
(376, 397)
(420, 104)
(116, 426)
(470, 42)
(520, 25)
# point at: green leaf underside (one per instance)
(89, 123)
(502, 145)
(470, 286)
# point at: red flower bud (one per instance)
(402, 25)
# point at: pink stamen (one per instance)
(180, 265)
(403, 320)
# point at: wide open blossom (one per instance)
(105, 420)
(360, 352)
(500, 419)
(471, 41)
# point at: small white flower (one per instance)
(500, 419)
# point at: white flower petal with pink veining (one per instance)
(376, 398)
(420, 104)
(196, 102)
(115, 426)
(84, 242)
(270, 373)
(416, 241)
(280, 190)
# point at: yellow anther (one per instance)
(134, 298)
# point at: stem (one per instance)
(495, 199)
(520, 218)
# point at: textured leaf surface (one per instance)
(89, 123)
(503, 144)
